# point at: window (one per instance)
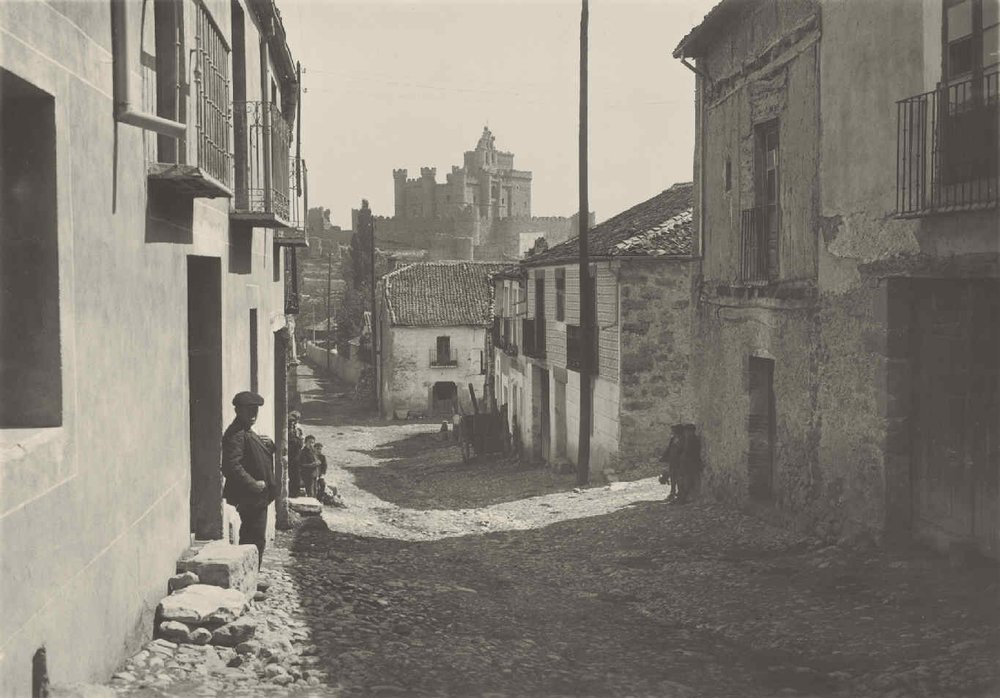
(30, 352)
(767, 186)
(970, 37)
(560, 294)
(482, 362)
(168, 24)
(728, 174)
(968, 109)
(442, 355)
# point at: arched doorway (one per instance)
(444, 398)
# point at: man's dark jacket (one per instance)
(245, 459)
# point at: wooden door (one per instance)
(955, 412)
(761, 428)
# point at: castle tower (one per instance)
(399, 181)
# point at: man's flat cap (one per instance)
(248, 398)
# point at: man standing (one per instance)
(294, 451)
(248, 466)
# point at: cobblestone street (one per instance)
(599, 592)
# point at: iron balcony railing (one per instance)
(753, 264)
(443, 358)
(947, 148)
(264, 171)
(211, 77)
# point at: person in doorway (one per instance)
(308, 466)
(294, 448)
(248, 467)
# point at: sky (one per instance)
(408, 84)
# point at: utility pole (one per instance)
(374, 339)
(587, 311)
(329, 270)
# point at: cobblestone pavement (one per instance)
(612, 595)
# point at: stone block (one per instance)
(174, 631)
(305, 505)
(223, 565)
(235, 633)
(203, 604)
(201, 636)
(179, 581)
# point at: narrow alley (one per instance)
(600, 592)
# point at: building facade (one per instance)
(432, 326)
(144, 284)
(846, 202)
(643, 274)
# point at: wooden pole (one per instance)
(329, 271)
(587, 311)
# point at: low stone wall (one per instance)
(348, 370)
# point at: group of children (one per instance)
(305, 457)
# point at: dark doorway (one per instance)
(205, 394)
(444, 398)
(560, 418)
(761, 427)
(956, 411)
(540, 413)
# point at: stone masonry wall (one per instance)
(656, 345)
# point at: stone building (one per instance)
(487, 184)
(144, 267)
(433, 318)
(847, 344)
(481, 211)
(644, 273)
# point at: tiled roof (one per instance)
(441, 294)
(661, 226)
(690, 45)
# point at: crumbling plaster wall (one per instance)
(864, 323)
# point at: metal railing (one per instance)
(441, 358)
(753, 266)
(947, 148)
(212, 105)
(266, 172)
(297, 187)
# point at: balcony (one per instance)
(211, 175)
(753, 264)
(264, 171)
(443, 358)
(947, 149)
(533, 338)
(295, 234)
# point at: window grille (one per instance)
(212, 88)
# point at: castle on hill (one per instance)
(482, 210)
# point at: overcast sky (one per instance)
(392, 84)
